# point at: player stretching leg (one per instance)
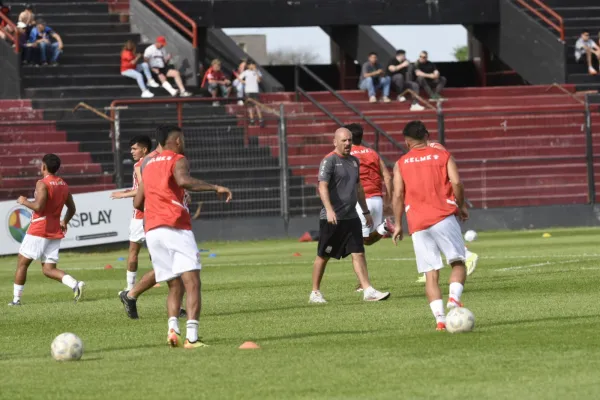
(339, 226)
(427, 189)
(472, 258)
(140, 146)
(148, 280)
(168, 226)
(42, 241)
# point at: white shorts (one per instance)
(173, 251)
(443, 237)
(39, 248)
(136, 231)
(375, 205)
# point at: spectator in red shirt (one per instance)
(131, 69)
(217, 81)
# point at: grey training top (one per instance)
(342, 175)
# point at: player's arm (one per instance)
(457, 188)
(184, 180)
(362, 201)
(398, 203)
(128, 193)
(41, 196)
(138, 200)
(325, 172)
(387, 180)
(71, 209)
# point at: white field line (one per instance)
(530, 266)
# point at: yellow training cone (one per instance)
(546, 235)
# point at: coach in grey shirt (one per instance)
(340, 229)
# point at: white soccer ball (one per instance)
(460, 320)
(67, 347)
(470, 236)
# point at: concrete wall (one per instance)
(150, 26)
(254, 45)
(10, 72)
(481, 220)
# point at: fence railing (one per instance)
(13, 35)
(546, 14)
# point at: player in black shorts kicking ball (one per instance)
(340, 227)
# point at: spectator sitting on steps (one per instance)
(41, 38)
(23, 45)
(428, 76)
(156, 56)
(237, 83)
(251, 79)
(131, 69)
(373, 77)
(28, 17)
(217, 81)
(401, 72)
(585, 46)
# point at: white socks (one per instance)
(69, 281)
(17, 292)
(131, 279)
(167, 86)
(467, 253)
(191, 333)
(174, 324)
(456, 290)
(381, 229)
(437, 308)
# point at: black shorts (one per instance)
(339, 240)
(254, 96)
(162, 70)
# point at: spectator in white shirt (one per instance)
(237, 83)
(158, 59)
(584, 48)
(251, 78)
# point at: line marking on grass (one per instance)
(544, 264)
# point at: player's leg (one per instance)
(429, 262)
(380, 226)
(449, 240)
(136, 238)
(49, 260)
(351, 242)
(324, 250)
(23, 263)
(174, 297)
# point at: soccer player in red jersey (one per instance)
(168, 227)
(140, 147)
(428, 190)
(42, 241)
(373, 174)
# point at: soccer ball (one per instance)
(470, 236)
(67, 347)
(460, 320)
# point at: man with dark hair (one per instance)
(373, 175)
(428, 76)
(339, 227)
(584, 48)
(427, 188)
(140, 146)
(42, 241)
(373, 77)
(168, 227)
(401, 71)
(41, 37)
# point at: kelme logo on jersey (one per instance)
(18, 221)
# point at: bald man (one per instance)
(340, 229)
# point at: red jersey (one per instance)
(436, 145)
(137, 214)
(46, 223)
(429, 197)
(370, 170)
(127, 57)
(164, 199)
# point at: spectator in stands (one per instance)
(158, 59)
(131, 69)
(23, 45)
(373, 77)
(41, 38)
(27, 17)
(218, 84)
(251, 79)
(237, 83)
(585, 46)
(401, 71)
(428, 76)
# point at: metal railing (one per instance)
(558, 25)
(14, 36)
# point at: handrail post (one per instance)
(441, 124)
(117, 150)
(377, 140)
(180, 115)
(284, 168)
(589, 152)
(296, 82)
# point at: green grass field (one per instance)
(536, 337)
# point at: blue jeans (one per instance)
(384, 83)
(214, 87)
(136, 74)
(49, 48)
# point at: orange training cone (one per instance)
(305, 238)
(249, 345)
(108, 266)
(157, 285)
(297, 255)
